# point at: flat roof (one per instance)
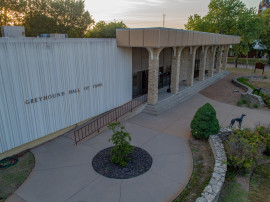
(159, 37)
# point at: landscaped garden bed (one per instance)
(12, 177)
(140, 162)
(247, 164)
(248, 176)
(254, 84)
(203, 166)
(122, 161)
(225, 91)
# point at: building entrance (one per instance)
(164, 77)
(140, 83)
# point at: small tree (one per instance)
(204, 122)
(265, 35)
(122, 148)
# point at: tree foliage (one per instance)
(46, 16)
(230, 17)
(122, 148)
(265, 34)
(11, 12)
(105, 30)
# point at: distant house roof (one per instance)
(264, 4)
(257, 46)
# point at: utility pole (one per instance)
(164, 19)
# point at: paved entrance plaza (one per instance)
(63, 172)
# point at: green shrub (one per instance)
(204, 122)
(263, 131)
(267, 147)
(255, 106)
(240, 155)
(245, 82)
(122, 148)
(245, 101)
(266, 99)
(248, 105)
(240, 103)
(243, 148)
(253, 137)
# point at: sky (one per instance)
(149, 13)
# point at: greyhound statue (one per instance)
(258, 90)
(239, 120)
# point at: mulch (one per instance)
(224, 90)
(140, 162)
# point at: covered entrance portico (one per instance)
(192, 54)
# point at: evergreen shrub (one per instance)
(204, 122)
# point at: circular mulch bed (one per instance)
(140, 162)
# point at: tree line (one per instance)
(55, 16)
(232, 17)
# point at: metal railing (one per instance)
(103, 120)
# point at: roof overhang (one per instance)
(166, 37)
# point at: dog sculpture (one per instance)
(239, 120)
(258, 90)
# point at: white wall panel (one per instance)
(31, 68)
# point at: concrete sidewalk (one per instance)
(63, 172)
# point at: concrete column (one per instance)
(225, 57)
(219, 57)
(175, 71)
(153, 75)
(191, 65)
(203, 56)
(212, 61)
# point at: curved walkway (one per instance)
(63, 172)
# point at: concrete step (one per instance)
(182, 96)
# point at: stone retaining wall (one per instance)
(253, 99)
(213, 189)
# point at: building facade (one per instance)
(48, 85)
(174, 55)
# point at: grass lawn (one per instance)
(251, 61)
(261, 84)
(203, 165)
(244, 71)
(260, 184)
(233, 192)
(14, 176)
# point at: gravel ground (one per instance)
(140, 163)
(223, 90)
